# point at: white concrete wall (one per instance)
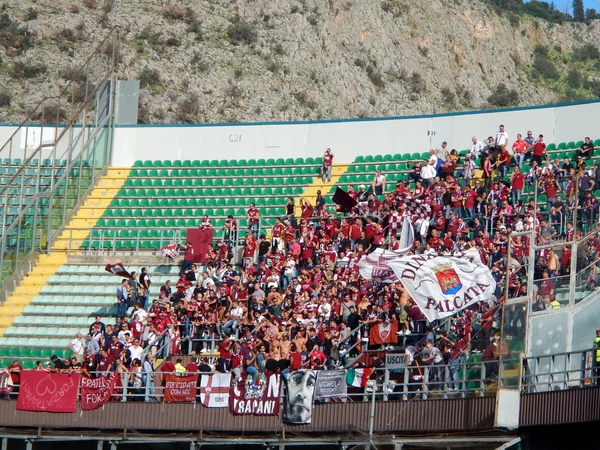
(348, 139)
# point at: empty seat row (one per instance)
(78, 321)
(98, 279)
(75, 269)
(228, 163)
(203, 187)
(70, 289)
(88, 311)
(53, 343)
(75, 300)
(39, 331)
(207, 174)
(28, 352)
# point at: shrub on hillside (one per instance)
(240, 32)
(22, 69)
(545, 68)
(188, 109)
(32, 14)
(5, 99)
(503, 97)
(175, 13)
(574, 79)
(586, 52)
(149, 77)
(417, 84)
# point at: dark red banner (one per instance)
(47, 391)
(180, 389)
(95, 392)
(260, 398)
(199, 240)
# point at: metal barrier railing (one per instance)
(455, 379)
(64, 137)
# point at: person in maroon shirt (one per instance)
(517, 181)
(224, 354)
(253, 219)
(539, 149)
(105, 361)
(115, 348)
(327, 165)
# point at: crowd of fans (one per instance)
(297, 296)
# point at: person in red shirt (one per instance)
(224, 360)
(253, 218)
(276, 235)
(295, 358)
(517, 181)
(520, 147)
(503, 162)
(249, 247)
(539, 149)
(327, 165)
(470, 195)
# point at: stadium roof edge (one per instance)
(366, 119)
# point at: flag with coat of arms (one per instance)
(214, 390)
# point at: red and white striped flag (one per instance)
(214, 390)
(170, 251)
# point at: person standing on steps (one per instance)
(144, 284)
(327, 165)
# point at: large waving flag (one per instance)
(442, 285)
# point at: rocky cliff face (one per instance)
(271, 60)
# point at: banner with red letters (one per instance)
(180, 389)
(95, 392)
(48, 391)
(258, 397)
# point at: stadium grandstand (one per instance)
(418, 282)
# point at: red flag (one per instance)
(117, 269)
(383, 332)
(180, 389)
(95, 392)
(48, 391)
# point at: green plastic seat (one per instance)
(551, 146)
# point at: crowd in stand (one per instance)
(297, 296)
